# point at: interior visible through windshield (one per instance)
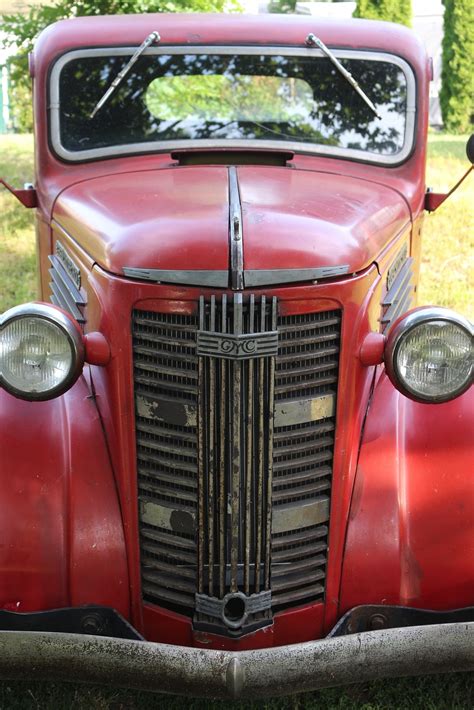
(229, 97)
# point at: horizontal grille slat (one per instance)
(165, 492)
(288, 555)
(162, 434)
(299, 537)
(301, 566)
(311, 460)
(288, 434)
(303, 324)
(304, 356)
(162, 594)
(163, 369)
(173, 555)
(168, 568)
(296, 579)
(301, 476)
(168, 539)
(313, 592)
(300, 491)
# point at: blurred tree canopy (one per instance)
(388, 10)
(21, 30)
(457, 92)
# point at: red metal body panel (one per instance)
(410, 535)
(339, 220)
(172, 212)
(61, 535)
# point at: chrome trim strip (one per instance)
(435, 648)
(155, 146)
(236, 236)
(264, 277)
(220, 279)
(213, 279)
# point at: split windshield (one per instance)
(219, 98)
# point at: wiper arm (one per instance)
(153, 37)
(313, 41)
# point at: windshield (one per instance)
(168, 100)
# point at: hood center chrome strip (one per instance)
(235, 233)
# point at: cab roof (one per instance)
(226, 29)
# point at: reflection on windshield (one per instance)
(199, 96)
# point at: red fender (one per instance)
(61, 533)
(410, 538)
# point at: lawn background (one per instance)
(446, 279)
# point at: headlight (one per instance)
(41, 351)
(428, 355)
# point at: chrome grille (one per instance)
(306, 369)
(234, 503)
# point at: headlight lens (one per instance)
(41, 351)
(429, 355)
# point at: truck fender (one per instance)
(410, 537)
(61, 533)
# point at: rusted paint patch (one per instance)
(288, 413)
(167, 410)
(296, 516)
(169, 518)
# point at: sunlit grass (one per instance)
(17, 241)
(447, 267)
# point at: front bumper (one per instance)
(336, 660)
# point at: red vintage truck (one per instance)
(236, 458)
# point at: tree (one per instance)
(457, 90)
(388, 10)
(22, 29)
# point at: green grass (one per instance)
(445, 280)
(17, 241)
(442, 692)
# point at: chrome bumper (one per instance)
(414, 650)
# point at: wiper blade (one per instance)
(153, 37)
(313, 41)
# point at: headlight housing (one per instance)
(428, 355)
(41, 351)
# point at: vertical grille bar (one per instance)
(236, 450)
(211, 419)
(249, 450)
(222, 443)
(201, 462)
(271, 397)
(260, 450)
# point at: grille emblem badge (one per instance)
(237, 347)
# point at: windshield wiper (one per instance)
(153, 37)
(313, 41)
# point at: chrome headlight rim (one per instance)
(402, 328)
(66, 323)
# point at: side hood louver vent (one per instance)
(65, 284)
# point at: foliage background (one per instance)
(457, 92)
(388, 10)
(21, 29)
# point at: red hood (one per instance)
(178, 218)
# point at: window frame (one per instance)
(243, 144)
